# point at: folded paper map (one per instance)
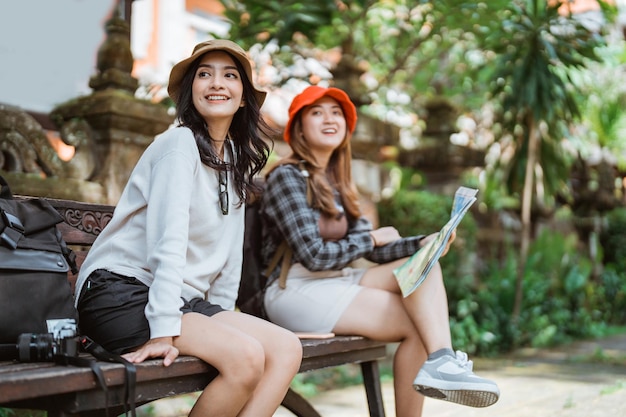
(413, 272)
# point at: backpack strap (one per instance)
(284, 250)
(13, 229)
(68, 253)
(307, 177)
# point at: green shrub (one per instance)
(613, 283)
(561, 301)
(312, 383)
(613, 239)
(562, 298)
(613, 278)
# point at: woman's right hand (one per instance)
(384, 235)
(434, 236)
(160, 347)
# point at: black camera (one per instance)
(61, 340)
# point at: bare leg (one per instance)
(251, 356)
(283, 354)
(420, 322)
(406, 364)
(427, 307)
(389, 322)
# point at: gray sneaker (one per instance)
(451, 379)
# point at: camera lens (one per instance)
(34, 347)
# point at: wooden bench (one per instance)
(73, 391)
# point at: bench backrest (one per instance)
(83, 222)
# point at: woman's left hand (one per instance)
(161, 347)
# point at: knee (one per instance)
(292, 348)
(286, 350)
(247, 366)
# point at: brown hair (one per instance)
(338, 174)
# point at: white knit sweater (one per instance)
(168, 231)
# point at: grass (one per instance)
(619, 385)
(615, 357)
(599, 355)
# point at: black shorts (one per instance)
(111, 310)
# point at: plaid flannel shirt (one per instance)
(286, 215)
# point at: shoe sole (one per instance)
(468, 397)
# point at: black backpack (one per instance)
(38, 319)
(254, 279)
(34, 262)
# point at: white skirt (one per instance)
(313, 301)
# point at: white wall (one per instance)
(48, 49)
(174, 32)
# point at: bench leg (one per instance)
(295, 403)
(371, 380)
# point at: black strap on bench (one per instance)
(87, 363)
(131, 373)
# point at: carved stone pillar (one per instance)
(122, 126)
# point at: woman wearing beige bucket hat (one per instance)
(162, 278)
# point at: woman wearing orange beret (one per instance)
(311, 203)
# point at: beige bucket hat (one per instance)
(179, 70)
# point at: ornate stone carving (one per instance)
(24, 147)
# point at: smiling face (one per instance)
(324, 126)
(217, 90)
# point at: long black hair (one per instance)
(246, 129)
